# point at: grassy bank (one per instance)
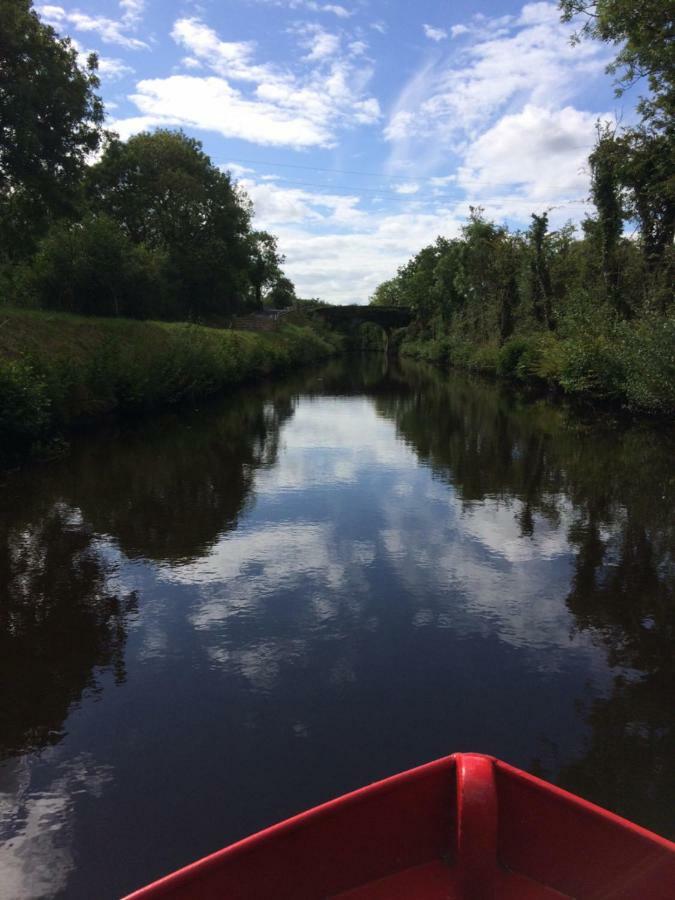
(630, 365)
(59, 370)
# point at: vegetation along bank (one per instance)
(587, 310)
(115, 256)
(58, 370)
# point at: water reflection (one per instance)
(263, 603)
(60, 623)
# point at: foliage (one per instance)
(164, 193)
(24, 408)
(644, 35)
(648, 355)
(281, 294)
(265, 263)
(92, 267)
(57, 370)
(150, 229)
(50, 123)
(590, 313)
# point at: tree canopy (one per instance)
(148, 227)
(50, 123)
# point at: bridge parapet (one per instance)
(387, 317)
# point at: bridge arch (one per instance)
(349, 318)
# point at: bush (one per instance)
(24, 408)
(484, 358)
(648, 354)
(593, 367)
(532, 356)
(510, 356)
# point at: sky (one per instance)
(361, 129)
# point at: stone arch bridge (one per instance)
(349, 318)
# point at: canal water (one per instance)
(220, 617)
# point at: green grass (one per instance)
(59, 370)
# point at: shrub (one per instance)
(484, 358)
(510, 356)
(648, 354)
(593, 367)
(24, 410)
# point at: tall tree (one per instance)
(640, 160)
(540, 271)
(264, 263)
(50, 123)
(607, 197)
(644, 34)
(164, 192)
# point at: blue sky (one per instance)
(361, 129)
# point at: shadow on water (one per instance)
(358, 567)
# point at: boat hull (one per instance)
(466, 826)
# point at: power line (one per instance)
(408, 178)
(407, 198)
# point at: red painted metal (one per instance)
(466, 826)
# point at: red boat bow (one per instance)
(466, 826)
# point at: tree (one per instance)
(480, 277)
(165, 193)
(282, 293)
(92, 267)
(540, 271)
(50, 124)
(645, 33)
(607, 197)
(646, 166)
(264, 263)
(388, 293)
(638, 162)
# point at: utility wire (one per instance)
(260, 162)
(407, 198)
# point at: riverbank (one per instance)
(631, 367)
(58, 371)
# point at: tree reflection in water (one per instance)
(166, 493)
(489, 442)
(332, 600)
(60, 623)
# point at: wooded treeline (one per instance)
(147, 228)
(589, 309)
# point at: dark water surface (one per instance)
(212, 621)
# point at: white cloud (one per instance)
(212, 104)
(336, 247)
(109, 68)
(538, 154)
(110, 31)
(236, 169)
(379, 26)
(273, 105)
(232, 59)
(358, 48)
(539, 14)
(410, 187)
(435, 34)
(337, 10)
(507, 64)
(320, 43)
(458, 30)
(113, 69)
